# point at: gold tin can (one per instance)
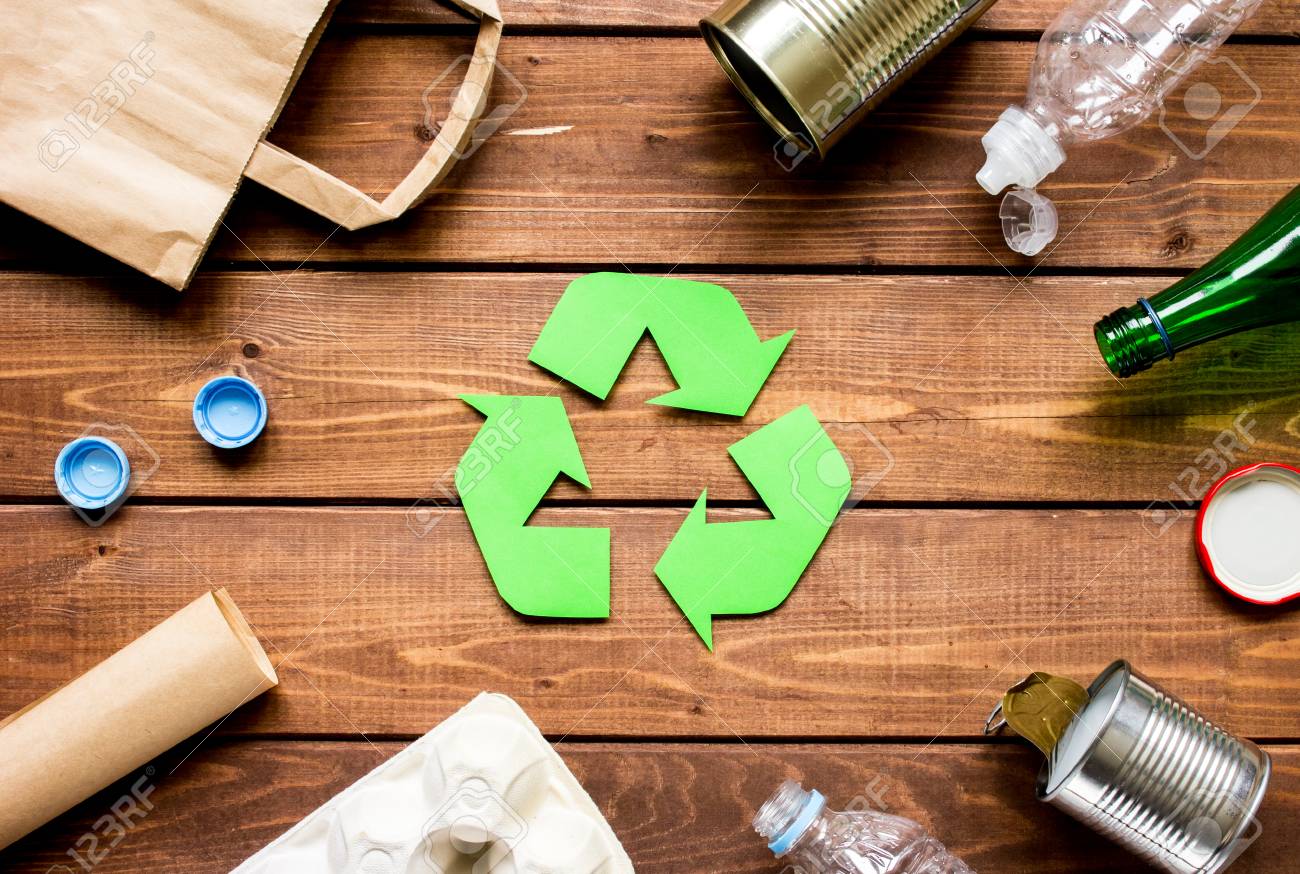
(814, 68)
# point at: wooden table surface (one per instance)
(1010, 529)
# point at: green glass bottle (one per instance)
(1254, 282)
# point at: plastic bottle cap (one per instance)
(1029, 221)
(229, 412)
(1246, 533)
(92, 473)
(1019, 151)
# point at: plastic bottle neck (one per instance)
(787, 816)
(1021, 151)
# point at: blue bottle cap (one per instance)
(92, 473)
(229, 412)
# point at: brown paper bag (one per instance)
(129, 124)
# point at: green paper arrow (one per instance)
(717, 360)
(523, 446)
(751, 567)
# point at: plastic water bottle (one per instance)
(797, 825)
(1102, 68)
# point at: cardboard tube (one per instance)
(186, 673)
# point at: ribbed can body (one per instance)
(1163, 781)
(814, 67)
(878, 38)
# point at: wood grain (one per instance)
(1274, 18)
(675, 807)
(949, 388)
(908, 623)
(945, 388)
(658, 161)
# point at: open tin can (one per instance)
(813, 68)
(1142, 768)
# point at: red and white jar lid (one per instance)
(1248, 533)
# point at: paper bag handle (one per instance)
(323, 193)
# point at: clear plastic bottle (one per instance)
(1102, 68)
(820, 841)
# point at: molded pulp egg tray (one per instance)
(481, 792)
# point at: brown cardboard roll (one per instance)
(188, 672)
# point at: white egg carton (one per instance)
(482, 792)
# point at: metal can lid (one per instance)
(1248, 533)
(1085, 732)
(229, 412)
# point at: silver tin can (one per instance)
(813, 68)
(1142, 768)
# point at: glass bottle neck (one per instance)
(1132, 339)
(1251, 284)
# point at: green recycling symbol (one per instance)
(719, 364)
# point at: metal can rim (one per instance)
(715, 31)
(1044, 773)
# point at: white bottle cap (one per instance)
(1020, 152)
(1029, 221)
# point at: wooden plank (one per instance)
(949, 388)
(1275, 17)
(654, 159)
(679, 808)
(907, 623)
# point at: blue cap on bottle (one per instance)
(812, 804)
(92, 473)
(229, 412)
